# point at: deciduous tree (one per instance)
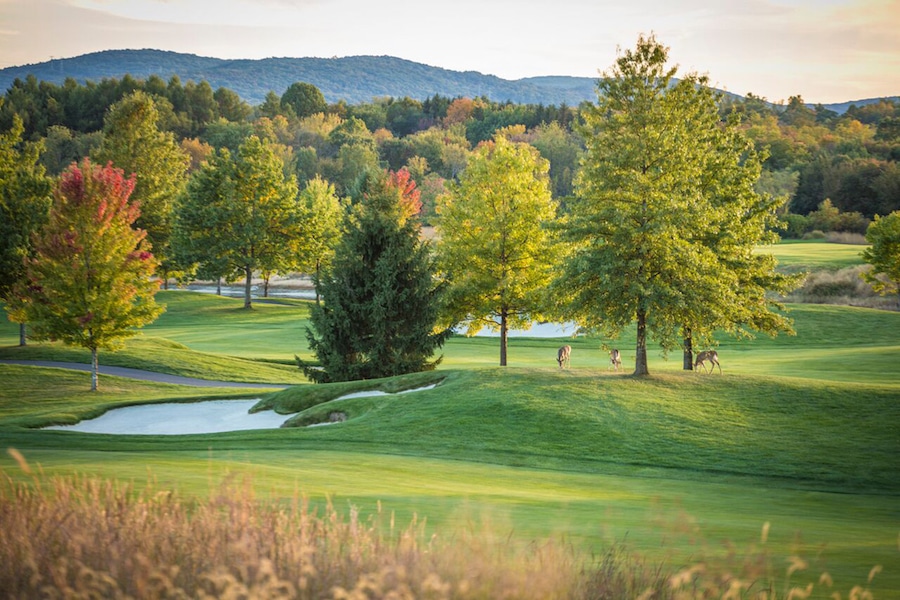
(665, 218)
(89, 283)
(884, 254)
(304, 98)
(496, 249)
(133, 142)
(322, 214)
(380, 298)
(240, 215)
(25, 197)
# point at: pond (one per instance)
(539, 330)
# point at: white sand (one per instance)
(212, 416)
(175, 418)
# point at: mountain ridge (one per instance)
(353, 79)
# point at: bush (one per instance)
(794, 226)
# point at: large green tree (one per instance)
(496, 247)
(89, 282)
(241, 215)
(665, 219)
(133, 142)
(25, 198)
(380, 297)
(304, 98)
(884, 253)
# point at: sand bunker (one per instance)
(210, 416)
(179, 418)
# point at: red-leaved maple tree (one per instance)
(89, 283)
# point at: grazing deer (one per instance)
(562, 356)
(708, 355)
(615, 359)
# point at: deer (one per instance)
(562, 356)
(708, 355)
(615, 359)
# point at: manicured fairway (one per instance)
(802, 255)
(800, 432)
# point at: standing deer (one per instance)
(615, 359)
(562, 356)
(708, 355)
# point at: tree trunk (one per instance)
(318, 274)
(688, 364)
(95, 371)
(266, 286)
(23, 339)
(640, 360)
(219, 286)
(503, 337)
(248, 283)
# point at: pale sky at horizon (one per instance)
(825, 50)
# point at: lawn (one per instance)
(807, 255)
(800, 432)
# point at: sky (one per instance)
(823, 50)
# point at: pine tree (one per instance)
(89, 283)
(380, 299)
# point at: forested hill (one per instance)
(354, 79)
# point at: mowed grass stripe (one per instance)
(664, 519)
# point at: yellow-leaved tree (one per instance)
(497, 248)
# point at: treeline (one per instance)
(819, 161)
(838, 171)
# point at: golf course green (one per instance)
(792, 451)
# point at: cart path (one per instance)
(145, 375)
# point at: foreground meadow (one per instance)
(778, 475)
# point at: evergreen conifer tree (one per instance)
(380, 296)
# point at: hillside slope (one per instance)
(353, 79)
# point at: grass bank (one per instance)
(800, 433)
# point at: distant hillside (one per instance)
(354, 79)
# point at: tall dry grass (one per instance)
(84, 537)
(842, 287)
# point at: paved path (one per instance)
(145, 375)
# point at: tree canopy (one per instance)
(305, 99)
(497, 251)
(133, 142)
(665, 219)
(322, 215)
(89, 282)
(25, 198)
(240, 214)
(884, 254)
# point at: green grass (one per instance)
(800, 431)
(805, 255)
(270, 331)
